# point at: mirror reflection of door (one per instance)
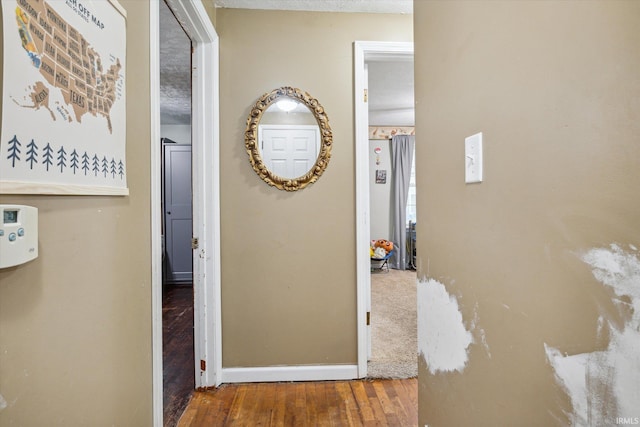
(289, 151)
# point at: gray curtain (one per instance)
(401, 159)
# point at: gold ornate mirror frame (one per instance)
(252, 143)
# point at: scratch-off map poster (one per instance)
(63, 107)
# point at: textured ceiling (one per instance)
(390, 84)
(391, 93)
(175, 71)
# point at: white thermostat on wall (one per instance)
(18, 234)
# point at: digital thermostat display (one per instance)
(10, 217)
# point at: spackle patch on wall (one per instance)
(604, 386)
(3, 403)
(443, 340)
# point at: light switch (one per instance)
(473, 158)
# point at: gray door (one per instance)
(178, 228)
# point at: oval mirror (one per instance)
(288, 138)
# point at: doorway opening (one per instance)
(177, 216)
(365, 54)
(202, 179)
(392, 217)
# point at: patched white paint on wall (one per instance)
(605, 385)
(443, 340)
(3, 403)
(570, 372)
(479, 332)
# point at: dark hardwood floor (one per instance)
(177, 350)
(322, 403)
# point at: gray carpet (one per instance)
(394, 341)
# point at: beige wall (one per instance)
(288, 260)
(554, 87)
(75, 324)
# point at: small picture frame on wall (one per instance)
(381, 176)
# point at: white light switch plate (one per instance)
(473, 158)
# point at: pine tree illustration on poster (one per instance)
(115, 167)
(32, 153)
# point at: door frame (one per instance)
(205, 128)
(363, 52)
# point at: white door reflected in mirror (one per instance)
(289, 151)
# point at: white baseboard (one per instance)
(290, 373)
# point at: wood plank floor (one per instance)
(325, 403)
(177, 350)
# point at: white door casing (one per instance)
(365, 114)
